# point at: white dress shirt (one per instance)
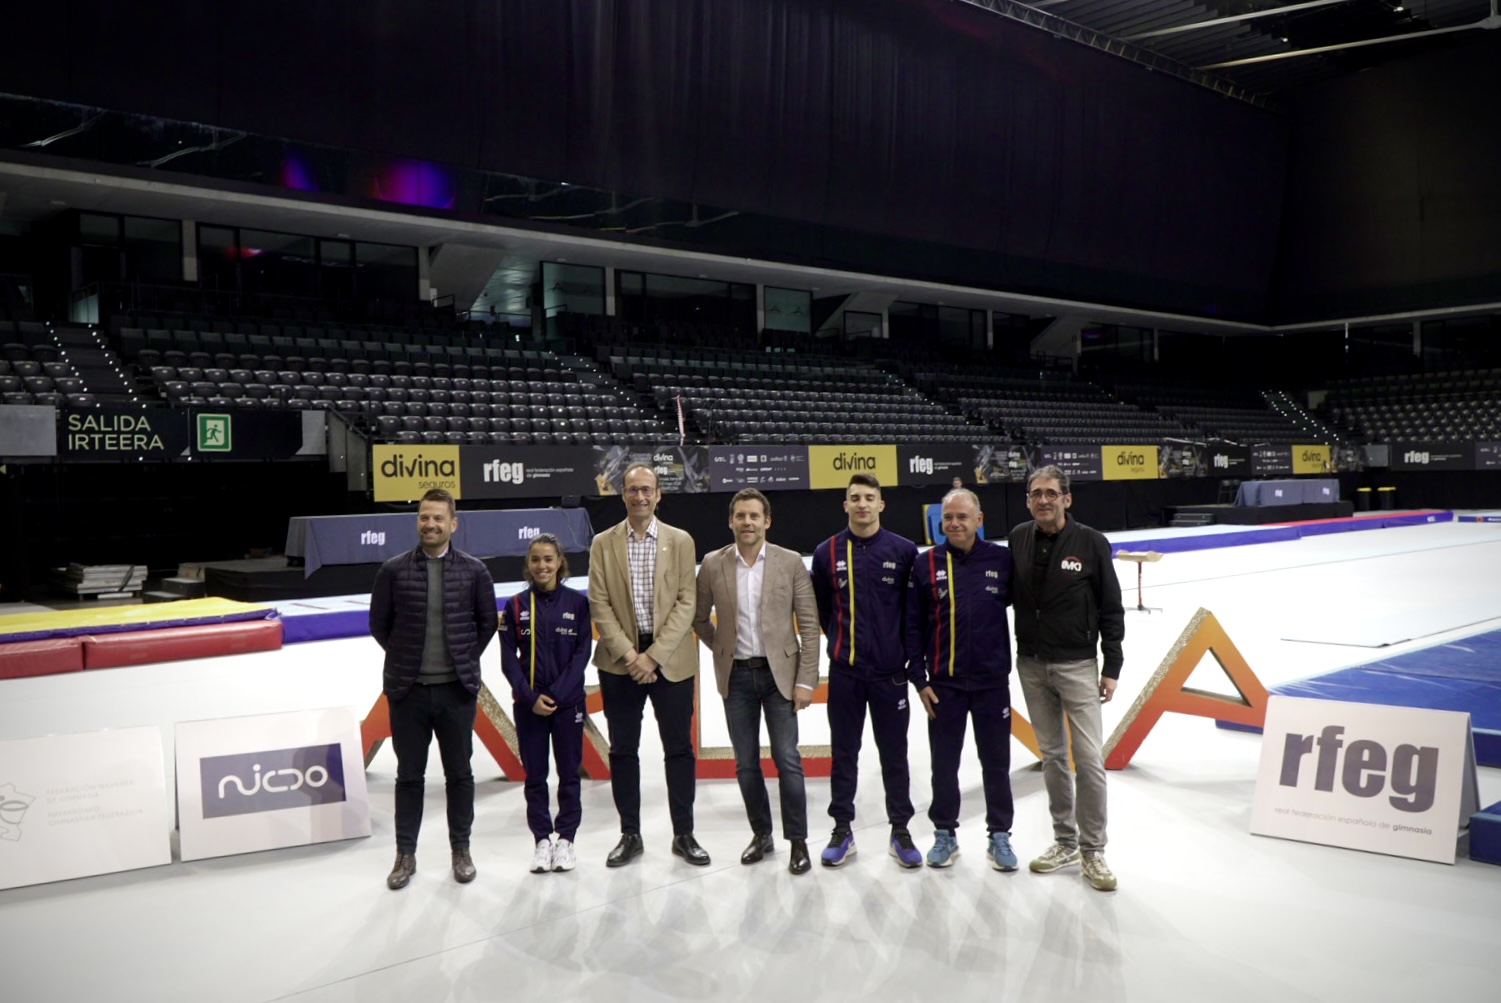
(748, 579)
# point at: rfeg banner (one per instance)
(1434, 455)
(527, 471)
(935, 463)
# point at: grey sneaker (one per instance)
(1057, 857)
(1097, 872)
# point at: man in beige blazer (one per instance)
(765, 645)
(641, 598)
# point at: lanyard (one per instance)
(850, 561)
(532, 598)
(953, 596)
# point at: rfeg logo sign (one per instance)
(272, 780)
(1370, 777)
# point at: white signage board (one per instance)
(76, 805)
(258, 783)
(1397, 780)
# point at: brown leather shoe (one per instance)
(799, 863)
(401, 871)
(463, 867)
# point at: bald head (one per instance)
(962, 518)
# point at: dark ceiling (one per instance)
(1266, 48)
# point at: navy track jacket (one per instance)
(861, 588)
(545, 639)
(956, 615)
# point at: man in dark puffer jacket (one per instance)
(433, 611)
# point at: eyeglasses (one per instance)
(1044, 495)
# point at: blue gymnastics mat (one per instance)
(1216, 537)
(1461, 675)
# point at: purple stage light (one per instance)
(412, 182)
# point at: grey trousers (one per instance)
(1055, 691)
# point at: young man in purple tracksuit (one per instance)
(545, 637)
(860, 582)
(956, 623)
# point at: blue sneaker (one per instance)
(841, 847)
(999, 852)
(945, 849)
(903, 849)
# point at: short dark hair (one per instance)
(439, 495)
(638, 465)
(556, 544)
(1051, 470)
(750, 494)
(865, 480)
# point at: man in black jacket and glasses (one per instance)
(1068, 612)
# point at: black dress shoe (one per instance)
(687, 847)
(799, 863)
(463, 867)
(760, 846)
(628, 849)
(401, 872)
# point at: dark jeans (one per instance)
(625, 705)
(446, 711)
(751, 692)
(564, 729)
(991, 709)
(890, 710)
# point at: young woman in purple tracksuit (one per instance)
(545, 637)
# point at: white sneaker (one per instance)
(1057, 856)
(542, 859)
(563, 857)
(1097, 872)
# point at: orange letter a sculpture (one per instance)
(1166, 691)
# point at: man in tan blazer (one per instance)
(641, 598)
(765, 646)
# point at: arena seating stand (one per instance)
(1221, 411)
(758, 397)
(1440, 406)
(1041, 407)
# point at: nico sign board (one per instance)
(1397, 780)
(76, 805)
(258, 783)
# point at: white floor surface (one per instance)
(1204, 911)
